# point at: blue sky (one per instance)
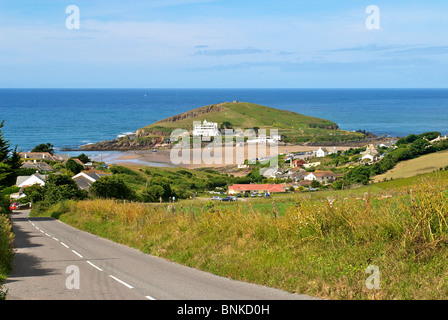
(223, 44)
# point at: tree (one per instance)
(360, 174)
(226, 125)
(154, 193)
(60, 187)
(4, 144)
(74, 166)
(83, 158)
(419, 146)
(111, 187)
(15, 161)
(5, 175)
(315, 184)
(164, 184)
(44, 147)
(35, 193)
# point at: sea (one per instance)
(69, 118)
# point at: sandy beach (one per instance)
(204, 157)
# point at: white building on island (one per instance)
(207, 129)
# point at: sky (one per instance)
(224, 44)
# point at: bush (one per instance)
(61, 187)
(111, 187)
(6, 251)
(74, 166)
(360, 174)
(123, 170)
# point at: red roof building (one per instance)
(297, 163)
(258, 188)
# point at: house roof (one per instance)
(321, 174)
(96, 174)
(85, 178)
(83, 182)
(43, 166)
(74, 159)
(21, 180)
(257, 187)
(37, 155)
(92, 174)
(299, 174)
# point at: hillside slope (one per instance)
(409, 168)
(295, 127)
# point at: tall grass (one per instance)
(319, 247)
(6, 251)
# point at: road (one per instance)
(56, 261)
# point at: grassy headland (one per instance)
(318, 244)
(294, 127)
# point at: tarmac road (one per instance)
(56, 261)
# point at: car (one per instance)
(229, 198)
(217, 198)
(260, 194)
(13, 206)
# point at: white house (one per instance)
(311, 164)
(264, 139)
(208, 129)
(322, 152)
(85, 179)
(26, 181)
(321, 176)
(370, 154)
(369, 157)
(439, 138)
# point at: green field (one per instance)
(424, 164)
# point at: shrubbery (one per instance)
(409, 147)
(111, 187)
(6, 249)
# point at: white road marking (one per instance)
(121, 281)
(77, 253)
(96, 267)
(93, 265)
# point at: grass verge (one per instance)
(6, 251)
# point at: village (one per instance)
(319, 169)
(296, 172)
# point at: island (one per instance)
(292, 128)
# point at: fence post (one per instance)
(274, 207)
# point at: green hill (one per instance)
(294, 127)
(244, 115)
